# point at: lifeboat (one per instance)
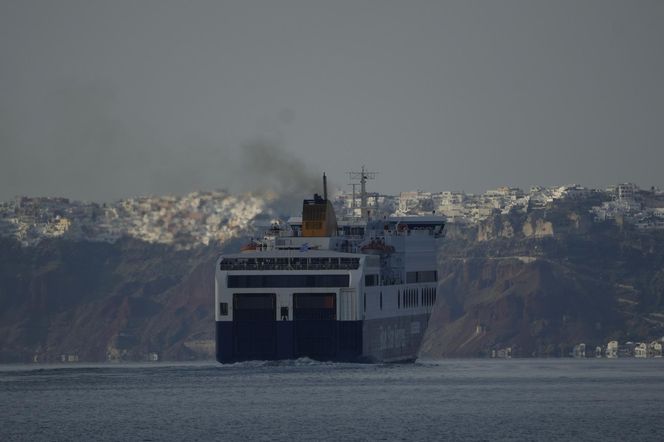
(250, 247)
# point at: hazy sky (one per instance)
(107, 99)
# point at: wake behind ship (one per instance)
(357, 290)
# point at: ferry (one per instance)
(358, 289)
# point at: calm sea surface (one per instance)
(306, 400)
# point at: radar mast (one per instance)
(362, 176)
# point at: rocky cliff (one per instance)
(541, 282)
(98, 301)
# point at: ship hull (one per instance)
(274, 340)
(375, 340)
(393, 339)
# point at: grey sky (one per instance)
(101, 100)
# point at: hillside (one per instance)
(102, 301)
(542, 282)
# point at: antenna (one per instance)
(324, 187)
(362, 176)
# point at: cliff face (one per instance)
(553, 281)
(539, 307)
(102, 301)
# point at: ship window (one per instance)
(370, 280)
(349, 263)
(399, 299)
(223, 309)
(423, 276)
(298, 263)
(255, 281)
(381, 300)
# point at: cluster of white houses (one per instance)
(614, 349)
(198, 218)
(624, 203)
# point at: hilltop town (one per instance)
(188, 221)
(623, 203)
(201, 218)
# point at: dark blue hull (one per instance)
(325, 340)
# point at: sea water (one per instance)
(306, 400)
